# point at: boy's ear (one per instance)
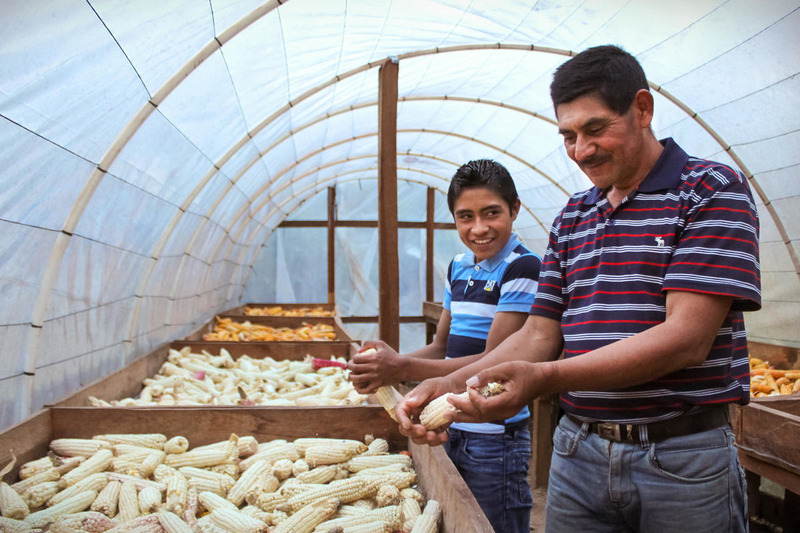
(515, 209)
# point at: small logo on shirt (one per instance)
(659, 242)
(490, 285)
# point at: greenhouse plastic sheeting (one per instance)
(151, 150)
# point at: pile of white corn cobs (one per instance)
(203, 379)
(148, 484)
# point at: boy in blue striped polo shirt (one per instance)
(488, 294)
(642, 287)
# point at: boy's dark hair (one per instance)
(485, 173)
(609, 71)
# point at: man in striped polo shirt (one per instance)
(488, 294)
(642, 286)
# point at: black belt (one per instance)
(687, 424)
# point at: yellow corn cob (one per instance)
(322, 474)
(387, 495)
(78, 447)
(345, 490)
(128, 502)
(282, 469)
(95, 482)
(147, 440)
(309, 517)
(139, 483)
(106, 501)
(385, 517)
(212, 502)
(75, 504)
(355, 447)
(51, 474)
(232, 520)
(325, 455)
(37, 495)
(176, 445)
(363, 462)
(387, 397)
(149, 500)
(411, 511)
(11, 503)
(247, 481)
(428, 521)
(99, 462)
(89, 522)
(9, 525)
(377, 447)
(172, 524)
(381, 470)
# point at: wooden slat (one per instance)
(432, 311)
(388, 275)
(331, 245)
(294, 351)
(373, 319)
(541, 442)
(430, 329)
(782, 477)
(781, 357)
(28, 440)
(240, 310)
(771, 436)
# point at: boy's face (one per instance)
(483, 220)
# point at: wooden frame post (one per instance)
(430, 329)
(332, 245)
(388, 262)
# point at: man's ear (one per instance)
(643, 106)
(515, 210)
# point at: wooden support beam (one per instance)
(388, 263)
(430, 329)
(331, 245)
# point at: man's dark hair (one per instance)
(609, 71)
(484, 173)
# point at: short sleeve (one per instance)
(549, 302)
(448, 294)
(518, 284)
(717, 252)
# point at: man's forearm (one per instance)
(422, 369)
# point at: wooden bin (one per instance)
(279, 322)
(438, 479)
(239, 311)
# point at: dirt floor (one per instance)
(537, 513)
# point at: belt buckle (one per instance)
(608, 431)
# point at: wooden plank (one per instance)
(28, 440)
(331, 245)
(781, 357)
(373, 319)
(430, 329)
(776, 474)
(295, 351)
(239, 311)
(125, 383)
(277, 322)
(432, 311)
(541, 442)
(771, 436)
(388, 264)
(433, 468)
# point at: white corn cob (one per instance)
(389, 517)
(300, 466)
(78, 447)
(322, 474)
(190, 513)
(365, 504)
(309, 517)
(292, 487)
(267, 501)
(377, 447)
(128, 502)
(75, 504)
(401, 480)
(151, 440)
(150, 463)
(413, 494)
(85, 522)
(9, 525)
(433, 417)
(106, 501)
(51, 474)
(228, 469)
(387, 397)
(387, 495)
(172, 524)
(36, 466)
(282, 469)
(381, 470)
(198, 459)
(95, 482)
(266, 483)
(127, 449)
(376, 526)
(212, 502)
(324, 455)
(149, 500)
(205, 525)
(345, 490)
(411, 511)
(99, 462)
(37, 495)
(428, 521)
(139, 483)
(247, 481)
(176, 445)
(350, 510)
(273, 454)
(232, 520)
(141, 524)
(363, 462)
(11, 503)
(353, 446)
(258, 514)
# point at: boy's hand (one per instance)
(412, 405)
(370, 371)
(522, 381)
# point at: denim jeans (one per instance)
(495, 468)
(690, 483)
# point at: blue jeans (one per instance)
(690, 483)
(495, 468)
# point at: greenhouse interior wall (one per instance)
(150, 151)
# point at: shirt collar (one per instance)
(468, 261)
(665, 174)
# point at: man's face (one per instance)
(483, 220)
(606, 146)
